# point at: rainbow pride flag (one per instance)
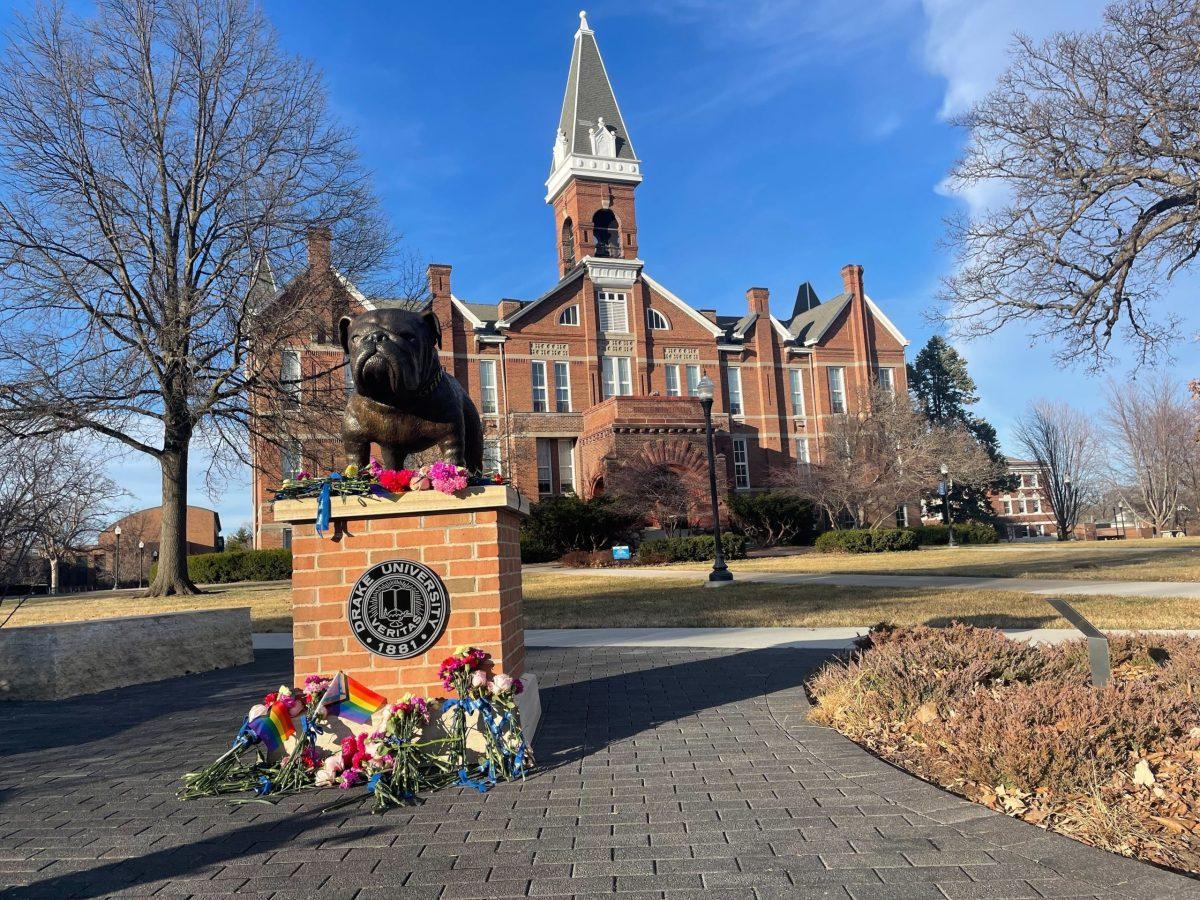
(274, 728)
(347, 699)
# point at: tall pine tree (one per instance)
(944, 390)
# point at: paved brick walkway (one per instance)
(665, 773)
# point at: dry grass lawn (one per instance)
(559, 601)
(270, 607)
(1148, 560)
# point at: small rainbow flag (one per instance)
(347, 699)
(274, 728)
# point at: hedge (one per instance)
(557, 525)
(690, 549)
(964, 533)
(237, 565)
(772, 517)
(866, 540)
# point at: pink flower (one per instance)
(333, 765)
(257, 710)
(479, 678)
(374, 467)
(502, 684)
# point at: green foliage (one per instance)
(239, 540)
(238, 565)
(772, 517)
(698, 548)
(964, 533)
(867, 540)
(557, 525)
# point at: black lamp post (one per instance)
(946, 517)
(117, 563)
(141, 554)
(720, 574)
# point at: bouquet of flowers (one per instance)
(373, 478)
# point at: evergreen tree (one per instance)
(944, 390)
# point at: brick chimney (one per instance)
(710, 314)
(508, 307)
(756, 298)
(852, 280)
(320, 239)
(438, 278)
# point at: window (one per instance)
(656, 321)
(1024, 506)
(796, 380)
(902, 517)
(289, 377)
(741, 464)
(566, 466)
(491, 456)
(672, 380)
(735, 391)
(569, 316)
(556, 465)
(562, 386)
(286, 540)
(1033, 479)
(545, 467)
(614, 311)
(487, 386)
(1037, 504)
(802, 451)
(617, 381)
(837, 389)
(538, 381)
(290, 462)
(693, 380)
(1007, 507)
(886, 380)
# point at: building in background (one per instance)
(1025, 511)
(145, 527)
(604, 364)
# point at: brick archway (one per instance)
(682, 456)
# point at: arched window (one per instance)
(656, 321)
(568, 241)
(607, 233)
(569, 316)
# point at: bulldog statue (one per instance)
(403, 400)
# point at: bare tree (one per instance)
(883, 457)
(1064, 442)
(657, 494)
(23, 499)
(1151, 436)
(1094, 138)
(158, 164)
(84, 501)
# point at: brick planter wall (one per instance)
(471, 542)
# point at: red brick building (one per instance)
(1024, 512)
(604, 364)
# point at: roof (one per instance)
(589, 98)
(808, 326)
(806, 299)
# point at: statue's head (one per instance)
(393, 352)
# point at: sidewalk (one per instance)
(1025, 585)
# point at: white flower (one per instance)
(325, 778)
(502, 684)
(479, 678)
(256, 711)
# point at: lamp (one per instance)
(141, 554)
(947, 483)
(720, 574)
(117, 562)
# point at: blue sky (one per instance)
(780, 140)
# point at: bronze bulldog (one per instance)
(403, 400)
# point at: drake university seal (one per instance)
(398, 608)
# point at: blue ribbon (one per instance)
(372, 781)
(246, 736)
(514, 761)
(323, 510)
(264, 786)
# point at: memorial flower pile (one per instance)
(375, 479)
(420, 745)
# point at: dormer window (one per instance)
(604, 140)
(656, 321)
(569, 316)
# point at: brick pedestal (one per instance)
(471, 541)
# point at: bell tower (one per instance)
(594, 170)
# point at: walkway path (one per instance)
(665, 773)
(1025, 585)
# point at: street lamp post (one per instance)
(720, 574)
(117, 562)
(946, 517)
(141, 552)
(1068, 507)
